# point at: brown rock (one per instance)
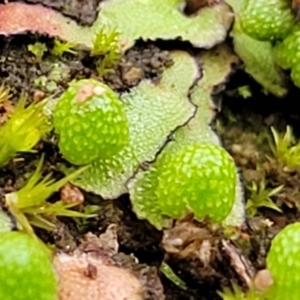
(263, 280)
(133, 76)
(70, 194)
(83, 276)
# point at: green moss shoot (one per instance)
(260, 196)
(106, 45)
(29, 205)
(23, 130)
(286, 149)
(38, 50)
(60, 48)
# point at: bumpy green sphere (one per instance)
(90, 122)
(287, 53)
(283, 260)
(295, 74)
(201, 179)
(267, 20)
(25, 269)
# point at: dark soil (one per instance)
(243, 124)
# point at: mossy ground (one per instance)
(243, 125)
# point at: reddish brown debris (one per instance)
(20, 17)
(17, 18)
(70, 194)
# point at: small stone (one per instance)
(263, 280)
(133, 76)
(70, 194)
(38, 95)
(155, 63)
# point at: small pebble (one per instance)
(263, 280)
(133, 76)
(70, 194)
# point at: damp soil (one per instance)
(243, 126)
